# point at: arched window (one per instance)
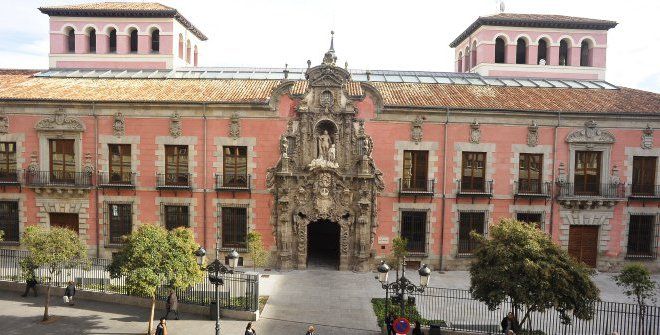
(563, 53)
(466, 62)
(188, 51)
(112, 41)
(473, 54)
(134, 40)
(71, 40)
(155, 41)
(521, 51)
(499, 50)
(92, 40)
(195, 56)
(585, 54)
(180, 46)
(542, 52)
(460, 62)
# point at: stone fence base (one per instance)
(58, 292)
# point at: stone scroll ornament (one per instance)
(647, 137)
(119, 125)
(533, 134)
(60, 122)
(234, 126)
(475, 132)
(416, 132)
(4, 123)
(175, 125)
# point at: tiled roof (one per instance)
(534, 20)
(119, 9)
(21, 85)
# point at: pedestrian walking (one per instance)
(418, 329)
(172, 305)
(69, 292)
(510, 323)
(30, 283)
(389, 319)
(161, 329)
(249, 330)
(311, 331)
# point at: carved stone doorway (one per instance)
(323, 244)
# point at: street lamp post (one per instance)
(216, 271)
(402, 285)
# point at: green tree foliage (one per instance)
(2, 234)
(636, 281)
(522, 263)
(256, 249)
(54, 249)
(153, 256)
(399, 251)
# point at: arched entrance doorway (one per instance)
(323, 244)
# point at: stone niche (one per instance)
(325, 174)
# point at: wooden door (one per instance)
(64, 220)
(583, 244)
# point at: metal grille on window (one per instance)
(468, 222)
(9, 220)
(234, 227)
(120, 222)
(175, 216)
(413, 229)
(643, 236)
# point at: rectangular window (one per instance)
(473, 177)
(534, 218)
(234, 227)
(643, 178)
(62, 160)
(9, 220)
(469, 221)
(176, 165)
(120, 222)
(413, 229)
(530, 173)
(234, 167)
(587, 172)
(176, 216)
(8, 162)
(641, 236)
(415, 170)
(120, 163)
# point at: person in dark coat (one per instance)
(510, 323)
(249, 330)
(30, 283)
(311, 331)
(69, 292)
(389, 319)
(161, 329)
(418, 329)
(172, 305)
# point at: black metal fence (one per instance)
(461, 312)
(239, 292)
(58, 178)
(608, 190)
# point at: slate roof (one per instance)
(534, 20)
(22, 85)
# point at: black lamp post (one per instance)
(216, 271)
(402, 285)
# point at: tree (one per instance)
(152, 256)
(54, 249)
(636, 280)
(256, 250)
(522, 263)
(399, 251)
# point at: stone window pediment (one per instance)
(591, 134)
(60, 122)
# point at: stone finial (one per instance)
(475, 132)
(416, 132)
(88, 167)
(533, 134)
(234, 126)
(175, 125)
(614, 177)
(330, 58)
(119, 125)
(34, 162)
(286, 71)
(647, 137)
(4, 123)
(561, 174)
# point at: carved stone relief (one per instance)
(34, 162)
(60, 122)
(234, 126)
(591, 135)
(88, 167)
(647, 137)
(119, 125)
(533, 134)
(175, 125)
(475, 132)
(4, 123)
(416, 133)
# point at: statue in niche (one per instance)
(324, 144)
(284, 149)
(327, 152)
(332, 152)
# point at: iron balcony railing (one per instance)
(232, 182)
(409, 186)
(58, 178)
(590, 190)
(484, 189)
(116, 180)
(526, 189)
(10, 177)
(173, 181)
(643, 191)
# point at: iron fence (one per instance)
(173, 181)
(484, 189)
(416, 186)
(58, 178)
(239, 292)
(232, 182)
(460, 311)
(607, 190)
(116, 179)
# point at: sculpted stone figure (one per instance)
(332, 153)
(324, 144)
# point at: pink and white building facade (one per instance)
(330, 164)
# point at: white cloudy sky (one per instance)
(370, 34)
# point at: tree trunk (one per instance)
(151, 315)
(46, 316)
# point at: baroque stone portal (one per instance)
(325, 173)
